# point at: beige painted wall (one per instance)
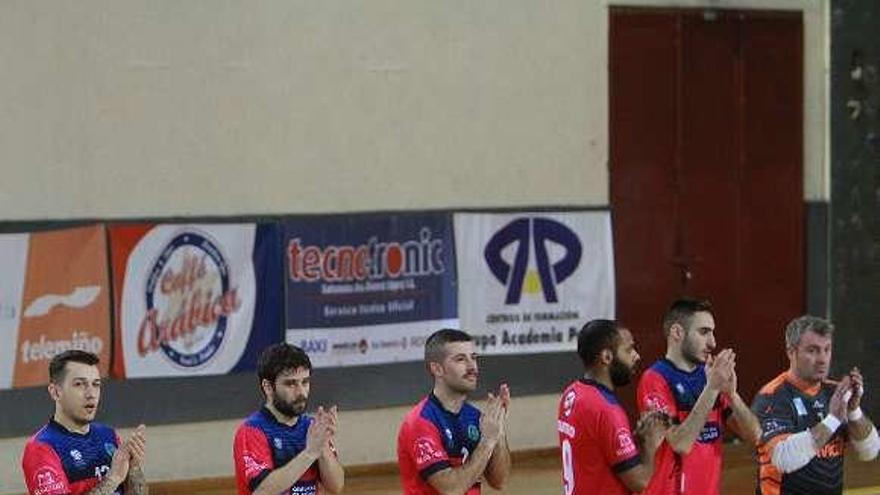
(154, 108)
(204, 450)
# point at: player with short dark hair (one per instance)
(280, 448)
(73, 454)
(600, 455)
(807, 419)
(445, 444)
(698, 391)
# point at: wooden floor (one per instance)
(539, 474)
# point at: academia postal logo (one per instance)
(189, 299)
(515, 274)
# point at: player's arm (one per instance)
(136, 482)
(282, 478)
(636, 472)
(498, 468)
(120, 466)
(789, 450)
(682, 437)
(741, 420)
(42, 470)
(862, 431)
(331, 470)
(457, 480)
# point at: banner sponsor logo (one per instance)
(527, 282)
(516, 276)
(189, 298)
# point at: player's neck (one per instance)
(451, 400)
(602, 377)
(69, 424)
(281, 418)
(677, 358)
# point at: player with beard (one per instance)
(445, 444)
(72, 454)
(809, 421)
(599, 453)
(698, 392)
(280, 449)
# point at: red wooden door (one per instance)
(706, 175)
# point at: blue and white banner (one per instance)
(529, 281)
(195, 299)
(366, 289)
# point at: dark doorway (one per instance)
(706, 129)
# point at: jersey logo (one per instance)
(771, 426)
(625, 444)
(568, 403)
(277, 442)
(426, 451)
(799, 405)
(656, 402)
(251, 466)
(77, 456)
(110, 449)
(473, 433)
(47, 481)
(448, 433)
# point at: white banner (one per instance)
(187, 302)
(527, 282)
(13, 261)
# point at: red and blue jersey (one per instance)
(432, 439)
(666, 388)
(263, 444)
(595, 440)
(57, 461)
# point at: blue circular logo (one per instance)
(185, 289)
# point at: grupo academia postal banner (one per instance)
(366, 289)
(529, 281)
(54, 296)
(194, 299)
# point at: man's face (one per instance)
(458, 370)
(626, 359)
(811, 358)
(78, 394)
(698, 341)
(290, 392)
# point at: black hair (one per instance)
(595, 337)
(58, 364)
(434, 351)
(278, 358)
(682, 310)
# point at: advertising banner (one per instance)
(366, 289)
(194, 299)
(529, 281)
(54, 296)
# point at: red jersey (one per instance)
(432, 439)
(58, 461)
(263, 444)
(596, 440)
(673, 391)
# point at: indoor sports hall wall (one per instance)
(207, 110)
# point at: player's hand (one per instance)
(838, 402)
(651, 429)
(319, 434)
(856, 390)
(137, 446)
(729, 385)
(119, 465)
(492, 420)
(332, 419)
(504, 396)
(718, 370)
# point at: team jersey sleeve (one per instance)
(43, 472)
(252, 456)
(426, 448)
(654, 394)
(776, 418)
(617, 442)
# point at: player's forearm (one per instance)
(136, 484)
(457, 480)
(498, 468)
(860, 428)
(332, 473)
(682, 437)
(748, 426)
(283, 478)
